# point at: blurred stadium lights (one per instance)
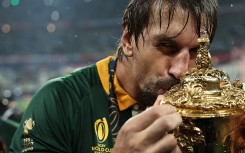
(15, 2)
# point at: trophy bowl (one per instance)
(211, 106)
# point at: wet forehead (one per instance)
(181, 20)
(181, 26)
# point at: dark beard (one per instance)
(149, 93)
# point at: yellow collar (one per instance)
(123, 99)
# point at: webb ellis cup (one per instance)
(212, 108)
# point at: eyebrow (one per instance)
(164, 38)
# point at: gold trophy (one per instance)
(212, 108)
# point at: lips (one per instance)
(161, 91)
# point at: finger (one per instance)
(159, 100)
(240, 142)
(161, 126)
(147, 117)
(166, 144)
(177, 150)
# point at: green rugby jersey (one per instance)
(70, 114)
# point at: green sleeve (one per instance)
(46, 125)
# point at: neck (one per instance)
(125, 77)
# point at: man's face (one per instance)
(164, 55)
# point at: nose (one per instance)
(180, 63)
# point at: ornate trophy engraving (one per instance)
(212, 108)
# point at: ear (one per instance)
(126, 43)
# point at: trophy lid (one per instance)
(206, 91)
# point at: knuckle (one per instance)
(155, 112)
(171, 108)
(128, 128)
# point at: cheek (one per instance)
(146, 69)
(141, 67)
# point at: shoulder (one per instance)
(76, 81)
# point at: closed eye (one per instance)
(167, 48)
(166, 44)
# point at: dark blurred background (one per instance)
(43, 39)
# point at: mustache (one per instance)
(166, 84)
